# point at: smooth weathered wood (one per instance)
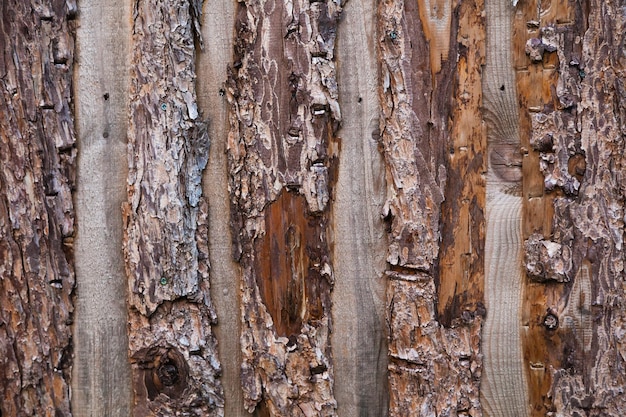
(503, 386)
(504, 389)
(434, 146)
(282, 153)
(101, 372)
(218, 21)
(172, 347)
(359, 332)
(37, 179)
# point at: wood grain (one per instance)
(434, 146)
(359, 245)
(504, 390)
(218, 21)
(282, 150)
(37, 180)
(172, 347)
(101, 374)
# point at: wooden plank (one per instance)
(434, 144)
(504, 389)
(101, 374)
(37, 179)
(359, 330)
(218, 21)
(172, 348)
(282, 153)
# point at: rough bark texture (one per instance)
(173, 351)
(101, 371)
(37, 154)
(434, 144)
(570, 70)
(282, 152)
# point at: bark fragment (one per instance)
(572, 106)
(37, 156)
(172, 347)
(433, 142)
(282, 153)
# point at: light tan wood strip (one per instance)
(504, 389)
(218, 24)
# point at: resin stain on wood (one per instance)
(288, 270)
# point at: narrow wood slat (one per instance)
(101, 375)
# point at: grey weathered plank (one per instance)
(360, 242)
(504, 390)
(218, 24)
(101, 375)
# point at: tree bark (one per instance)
(433, 140)
(37, 216)
(172, 348)
(570, 68)
(282, 152)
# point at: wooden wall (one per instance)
(392, 207)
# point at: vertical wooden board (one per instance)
(101, 374)
(172, 347)
(434, 147)
(359, 335)
(218, 22)
(37, 180)
(283, 156)
(504, 390)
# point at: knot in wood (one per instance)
(551, 321)
(168, 374)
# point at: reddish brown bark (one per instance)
(37, 154)
(434, 145)
(282, 157)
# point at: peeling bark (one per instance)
(37, 179)
(282, 153)
(172, 348)
(571, 94)
(434, 144)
